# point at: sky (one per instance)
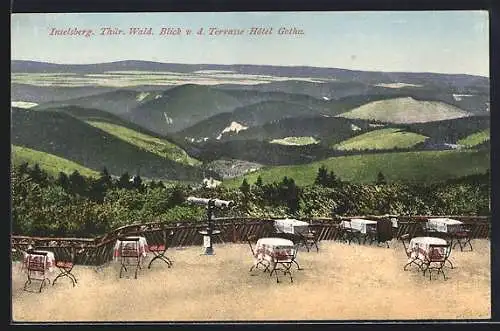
(454, 42)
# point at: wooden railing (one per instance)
(98, 251)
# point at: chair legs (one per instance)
(463, 244)
(162, 257)
(413, 261)
(285, 270)
(256, 266)
(124, 267)
(313, 243)
(42, 284)
(439, 269)
(350, 236)
(65, 273)
(296, 263)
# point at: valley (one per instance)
(186, 122)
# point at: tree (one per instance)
(38, 175)
(178, 197)
(63, 181)
(292, 196)
(137, 183)
(322, 176)
(380, 179)
(124, 181)
(23, 168)
(258, 182)
(105, 179)
(77, 183)
(245, 187)
(332, 180)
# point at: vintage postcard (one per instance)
(250, 166)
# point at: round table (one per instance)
(419, 246)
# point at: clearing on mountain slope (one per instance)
(406, 110)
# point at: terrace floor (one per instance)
(341, 282)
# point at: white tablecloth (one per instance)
(291, 226)
(419, 246)
(444, 225)
(50, 261)
(143, 246)
(359, 224)
(269, 248)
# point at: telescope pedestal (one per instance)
(210, 204)
(207, 241)
(209, 251)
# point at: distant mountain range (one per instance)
(461, 81)
(189, 121)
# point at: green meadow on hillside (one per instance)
(71, 138)
(405, 110)
(426, 166)
(160, 147)
(381, 139)
(475, 138)
(51, 163)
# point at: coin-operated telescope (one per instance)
(210, 204)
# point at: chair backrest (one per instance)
(403, 239)
(346, 224)
(285, 254)
(372, 228)
(129, 247)
(61, 253)
(168, 236)
(295, 251)
(251, 239)
(421, 229)
(438, 253)
(384, 230)
(37, 261)
(315, 229)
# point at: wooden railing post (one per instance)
(235, 234)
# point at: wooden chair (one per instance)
(65, 266)
(411, 260)
(348, 233)
(463, 236)
(160, 249)
(310, 238)
(436, 259)
(36, 269)
(283, 260)
(371, 234)
(265, 263)
(18, 254)
(384, 231)
(129, 251)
